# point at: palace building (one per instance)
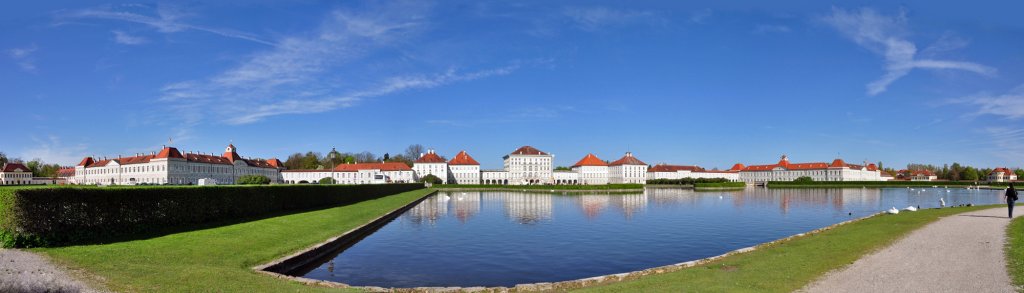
(628, 169)
(15, 174)
(664, 171)
(838, 170)
(358, 173)
(170, 166)
(1002, 174)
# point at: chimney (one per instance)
(421, 155)
(629, 154)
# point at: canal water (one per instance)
(501, 238)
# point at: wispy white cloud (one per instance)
(771, 29)
(593, 18)
(51, 150)
(168, 19)
(392, 85)
(701, 16)
(23, 57)
(1009, 105)
(886, 36)
(126, 39)
(317, 72)
(1006, 142)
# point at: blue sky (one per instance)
(683, 83)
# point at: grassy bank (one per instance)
(790, 265)
(541, 187)
(1015, 251)
(859, 184)
(220, 258)
(720, 185)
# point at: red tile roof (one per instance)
(15, 167)
(66, 172)
(463, 158)
(528, 150)
(674, 168)
(169, 152)
(628, 159)
(1003, 170)
(837, 163)
(785, 164)
(87, 161)
(385, 166)
(737, 167)
(430, 157)
(590, 160)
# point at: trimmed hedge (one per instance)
(687, 181)
(34, 217)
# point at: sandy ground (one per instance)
(22, 271)
(959, 253)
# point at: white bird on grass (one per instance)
(911, 209)
(892, 211)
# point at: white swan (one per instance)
(911, 209)
(942, 202)
(892, 211)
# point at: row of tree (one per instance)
(955, 171)
(38, 167)
(312, 160)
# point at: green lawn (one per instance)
(790, 265)
(220, 259)
(1015, 252)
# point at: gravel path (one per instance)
(959, 253)
(22, 271)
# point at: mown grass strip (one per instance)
(1015, 252)
(789, 265)
(220, 259)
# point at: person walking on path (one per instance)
(1011, 197)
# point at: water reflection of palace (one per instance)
(466, 205)
(592, 205)
(630, 204)
(430, 210)
(786, 199)
(526, 208)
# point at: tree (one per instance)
(327, 180)
(1020, 173)
(969, 174)
(387, 157)
(954, 172)
(402, 158)
(333, 158)
(430, 178)
(803, 179)
(413, 151)
(563, 168)
(366, 157)
(253, 180)
(3, 158)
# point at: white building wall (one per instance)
(529, 169)
(592, 175)
(464, 174)
(437, 169)
(620, 174)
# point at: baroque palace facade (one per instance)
(524, 166)
(170, 166)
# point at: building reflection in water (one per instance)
(466, 204)
(592, 205)
(630, 204)
(527, 208)
(532, 208)
(430, 210)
